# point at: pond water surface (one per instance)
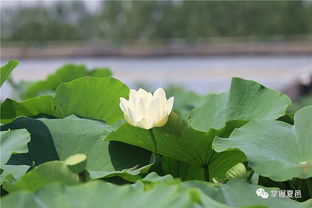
(201, 74)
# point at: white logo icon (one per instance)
(262, 193)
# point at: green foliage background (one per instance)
(119, 21)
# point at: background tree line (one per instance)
(118, 21)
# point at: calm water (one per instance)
(201, 74)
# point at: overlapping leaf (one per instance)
(91, 97)
(222, 162)
(66, 73)
(275, 149)
(175, 140)
(246, 100)
(100, 194)
(100, 72)
(178, 141)
(148, 192)
(13, 172)
(105, 159)
(219, 164)
(43, 175)
(239, 193)
(13, 142)
(11, 109)
(41, 146)
(182, 170)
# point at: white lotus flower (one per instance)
(146, 110)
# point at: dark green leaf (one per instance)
(13, 142)
(182, 170)
(222, 162)
(41, 146)
(175, 140)
(105, 159)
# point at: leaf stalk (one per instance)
(206, 172)
(154, 141)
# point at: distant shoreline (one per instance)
(133, 50)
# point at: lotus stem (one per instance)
(206, 172)
(83, 176)
(154, 141)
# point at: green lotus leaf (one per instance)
(105, 159)
(91, 97)
(219, 164)
(275, 149)
(182, 170)
(13, 171)
(246, 100)
(13, 142)
(6, 70)
(239, 193)
(41, 147)
(175, 140)
(100, 72)
(11, 109)
(66, 73)
(101, 194)
(43, 175)
(148, 192)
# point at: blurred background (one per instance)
(197, 45)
